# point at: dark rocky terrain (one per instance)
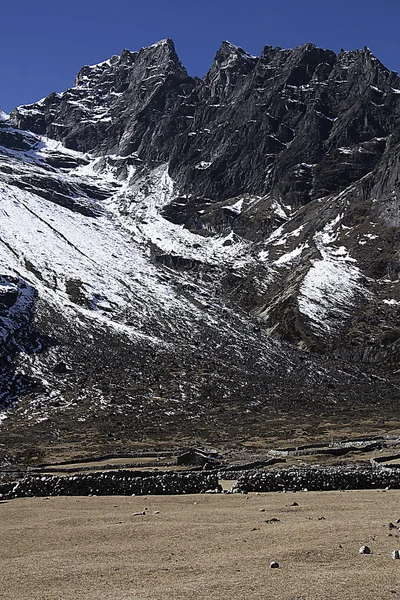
(211, 260)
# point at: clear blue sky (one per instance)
(44, 43)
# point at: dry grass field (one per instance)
(201, 547)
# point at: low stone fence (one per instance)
(121, 483)
(383, 462)
(319, 479)
(127, 483)
(338, 449)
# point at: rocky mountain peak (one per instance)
(161, 56)
(99, 111)
(90, 75)
(231, 63)
(229, 51)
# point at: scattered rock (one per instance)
(60, 368)
(365, 550)
(274, 565)
(273, 520)
(140, 513)
(396, 554)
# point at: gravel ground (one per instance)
(201, 547)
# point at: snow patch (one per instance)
(376, 89)
(278, 210)
(328, 289)
(290, 256)
(346, 150)
(235, 208)
(202, 165)
(281, 240)
(391, 302)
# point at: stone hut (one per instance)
(199, 458)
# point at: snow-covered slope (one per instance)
(106, 247)
(79, 272)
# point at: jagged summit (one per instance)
(162, 55)
(145, 102)
(188, 258)
(166, 42)
(229, 48)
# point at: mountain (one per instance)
(211, 261)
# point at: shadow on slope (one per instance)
(18, 334)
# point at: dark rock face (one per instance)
(299, 124)
(116, 106)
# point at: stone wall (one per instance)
(121, 483)
(318, 479)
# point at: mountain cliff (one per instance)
(211, 260)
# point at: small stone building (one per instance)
(198, 458)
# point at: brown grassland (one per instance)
(201, 547)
